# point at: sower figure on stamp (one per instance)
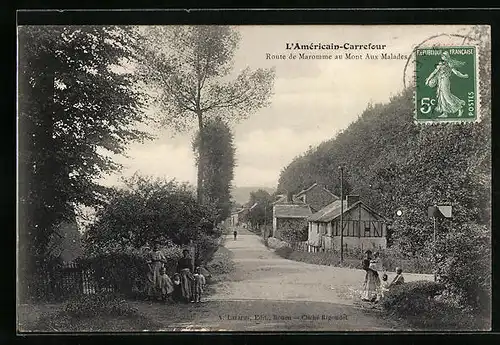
(447, 103)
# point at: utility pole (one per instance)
(434, 249)
(438, 211)
(265, 217)
(341, 214)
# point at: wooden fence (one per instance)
(63, 281)
(329, 247)
(300, 246)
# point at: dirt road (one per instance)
(267, 292)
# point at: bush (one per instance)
(275, 243)
(36, 275)
(465, 266)
(221, 263)
(126, 271)
(206, 247)
(100, 312)
(419, 303)
(411, 298)
(392, 257)
(284, 252)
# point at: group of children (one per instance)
(171, 289)
(373, 288)
(385, 285)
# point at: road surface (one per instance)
(269, 293)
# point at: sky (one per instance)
(312, 101)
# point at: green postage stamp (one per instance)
(446, 84)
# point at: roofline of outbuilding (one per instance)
(347, 210)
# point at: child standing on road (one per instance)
(177, 293)
(199, 284)
(166, 285)
(384, 287)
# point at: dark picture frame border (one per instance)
(269, 16)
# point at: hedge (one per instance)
(420, 304)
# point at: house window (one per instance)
(376, 230)
(317, 228)
(367, 229)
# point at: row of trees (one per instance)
(82, 93)
(395, 164)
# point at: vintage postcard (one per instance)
(254, 178)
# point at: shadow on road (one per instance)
(265, 315)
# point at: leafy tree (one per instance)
(261, 208)
(76, 102)
(191, 66)
(219, 170)
(150, 211)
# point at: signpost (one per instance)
(435, 212)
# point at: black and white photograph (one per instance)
(248, 178)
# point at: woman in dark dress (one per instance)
(185, 270)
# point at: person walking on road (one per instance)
(235, 233)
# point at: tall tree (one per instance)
(220, 162)
(261, 208)
(75, 105)
(192, 66)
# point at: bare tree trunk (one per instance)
(201, 159)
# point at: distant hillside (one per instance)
(241, 195)
(395, 164)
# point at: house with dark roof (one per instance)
(291, 211)
(237, 216)
(290, 217)
(363, 227)
(316, 196)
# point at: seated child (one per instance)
(177, 293)
(166, 285)
(199, 284)
(398, 279)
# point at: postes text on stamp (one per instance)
(446, 85)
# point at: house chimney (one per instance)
(351, 200)
(289, 197)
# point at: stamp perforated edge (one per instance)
(476, 86)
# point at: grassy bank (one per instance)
(425, 305)
(93, 313)
(220, 268)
